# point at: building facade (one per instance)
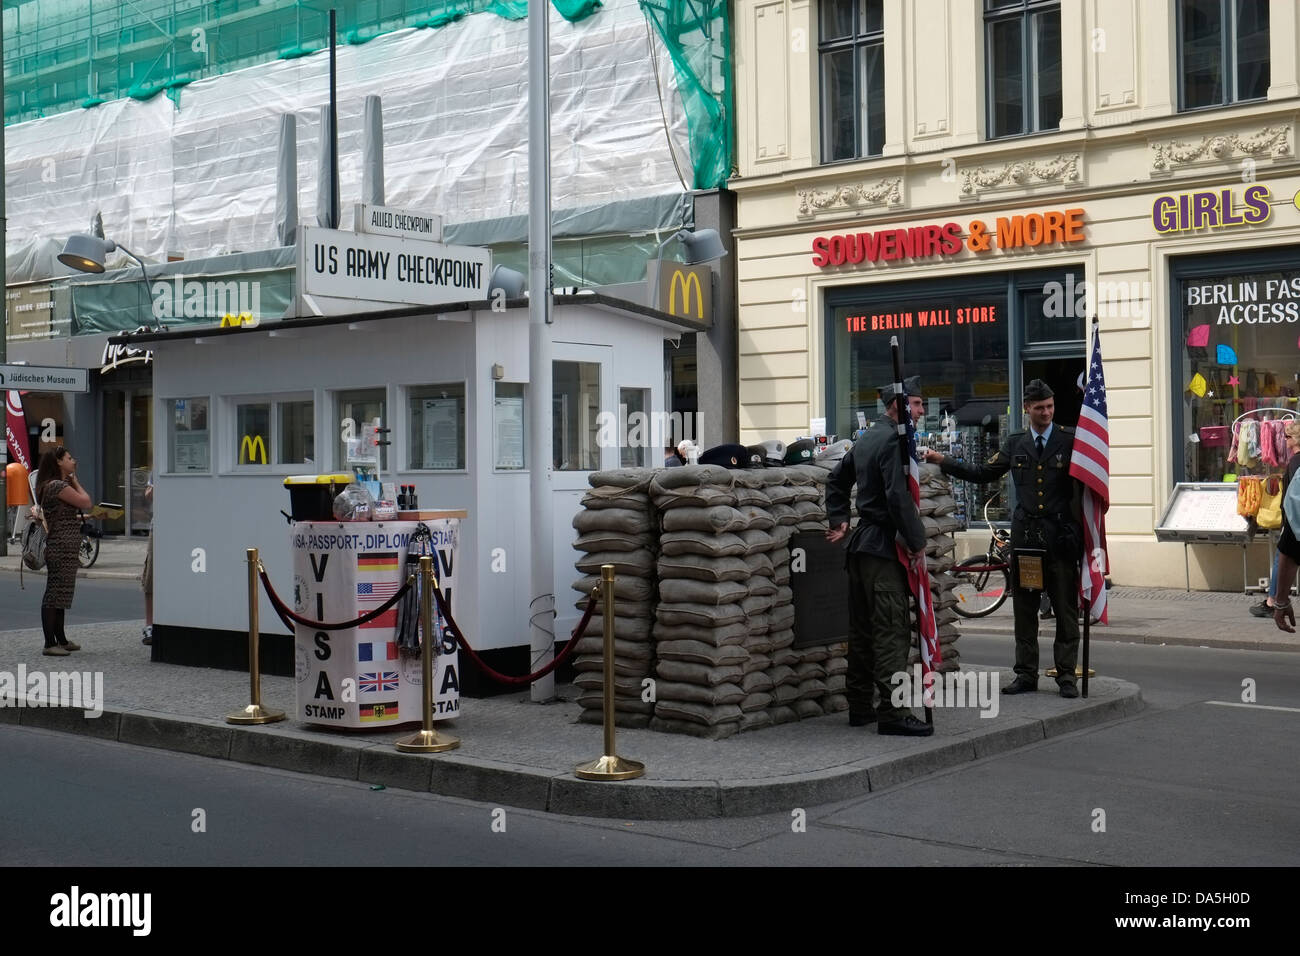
(980, 179)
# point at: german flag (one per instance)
(373, 713)
(379, 561)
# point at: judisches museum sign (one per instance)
(925, 242)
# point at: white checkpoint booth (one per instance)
(358, 677)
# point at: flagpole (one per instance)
(902, 410)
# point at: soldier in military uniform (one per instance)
(1047, 518)
(879, 622)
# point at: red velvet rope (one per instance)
(497, 676)
(288, 616)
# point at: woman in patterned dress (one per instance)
(61, 498)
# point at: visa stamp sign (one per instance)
(350, 265)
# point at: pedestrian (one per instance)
(1288, 547)
(17, 496)
(1265, 607)
(1048, 518)
(146, 576)
(62, 499)
(880, 625)
(673, 458)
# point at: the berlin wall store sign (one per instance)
(938, 240)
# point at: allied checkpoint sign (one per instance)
(358, 678)
(335, 264)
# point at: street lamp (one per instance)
(89, 253)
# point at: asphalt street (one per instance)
(1191, 781)
(96, 601)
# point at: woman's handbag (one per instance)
(1269, 515)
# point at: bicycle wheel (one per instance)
(980, 592)
(88, 550)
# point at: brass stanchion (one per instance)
(428, 740)
(611, 766)
(254, 713)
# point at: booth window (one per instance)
(355, 410)
(508, 450)
(575, 410)
(437, 427)
(189, 447)
(297, 439)
(636, 437)
(272, 432)
(1023, 40)
(1223, 52)
(851, 49)
(1235, 345)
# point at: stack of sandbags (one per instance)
(938, 514)
(617, 526)
(701, 625)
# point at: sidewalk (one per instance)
(1166, 616)
(521, 754)
(119, 557)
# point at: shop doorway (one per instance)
(128, 457)
(1062, 376)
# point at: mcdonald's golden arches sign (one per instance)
(686, 291)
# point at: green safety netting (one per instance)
(697, 35)
(62, 54)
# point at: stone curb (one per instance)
(459, 774)
(1138, 637)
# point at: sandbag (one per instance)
(691, 475)
(604, 540)
(757, 603)
(607, 496)
(835, 704)
(625, 628)
(700, 653)
(690, 591)
(703, 615)
(760, 563)
(715, 520)
(755, 720)
(808, 708)
(638, 563)
(633, 479)
(641, 651)
(713, 636)
(630, 705)
(701, 568)
(639, 610)
(697, 713)
(781, 638)
(621, 719)
(756, 519)
(782, 714)
(623, 667)
(694, 496)
(626, 587)
(810, 669)
(759, 682)
(704, 543)
(756, 663)
(612, 519)
(711, 696)
(752, 498)
(756, 701)
(705, 675)
(781, 674)
(757, 540)
(811, 689)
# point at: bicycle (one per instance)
(984, 580)
(88, 549)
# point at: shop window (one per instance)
(852, 62)
(253, 434)
(1057, 310)
(1236, 363)
(958, 343)
(1223, 52)
(634, 429)
(575, 409)
(436, 414)
(358, 413)
(189, 450)
(1023, 43)
(508, 449)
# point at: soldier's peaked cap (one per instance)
(1038, 391)
(911, 387)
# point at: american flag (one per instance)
(1090, 463)
(376, 591)
(918, 577)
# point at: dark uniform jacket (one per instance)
(885, 505)
(1048, 511)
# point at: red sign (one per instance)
(921, 319)
(922, 242)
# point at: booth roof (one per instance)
(587, 297)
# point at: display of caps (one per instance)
(773, 452)
(835, 450)
(800, 452)
(728, 456)
(757, 456)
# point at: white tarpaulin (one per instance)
(198, 179)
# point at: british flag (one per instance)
(381, 681)
(1090, 464)
(918, 576)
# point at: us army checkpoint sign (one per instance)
(351, 265)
